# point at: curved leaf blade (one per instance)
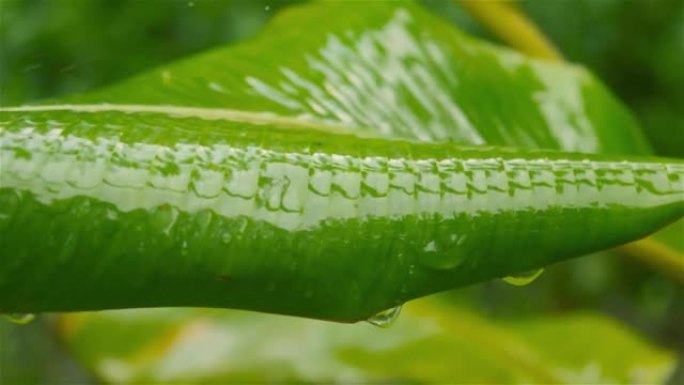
(176, 159)
(399, 71)
(167, 210)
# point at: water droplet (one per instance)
(112, 214)
(385, 318)
(432, 246)
(226, 237)
(165, 218)
(267, 8)
(523, 279)
(20, 318)
(445, 254)
(191, 4)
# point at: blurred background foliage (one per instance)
(52, 48)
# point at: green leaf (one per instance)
(617, 356)
(429, 343)
(399, 71)
(326, 185)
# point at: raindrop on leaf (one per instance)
(385, 318)
(446, 254)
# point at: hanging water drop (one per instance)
(165, 218)
(385, 318)
(20, 318)
(524, 278)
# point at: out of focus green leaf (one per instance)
(398, 70)
(50, 48)
(31, 355)
(636, 47)
(430, 343)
